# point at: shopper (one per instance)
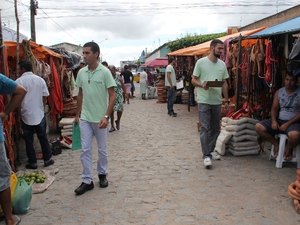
(143, 84)
(170, 83)
(128, 82)
(33, 114)
(95, 102)
(8, 86)
(209, 99)
(118, 107)
(285, 117)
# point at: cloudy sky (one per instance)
(124, 28)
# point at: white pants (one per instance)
(87, 131)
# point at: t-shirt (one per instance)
(127, 76)
(170, 69)
(289, 103)
(94, 86)
(206, 70)
(7, 87)
(32, 107)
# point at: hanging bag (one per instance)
(22, 197)
(76, 141)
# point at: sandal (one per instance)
(17, 219)
(112, 129)
(117, 124)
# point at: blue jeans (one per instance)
(40, 130)
(170, 99)
(87, 131)
(209, 117)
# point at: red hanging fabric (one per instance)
(55, 98)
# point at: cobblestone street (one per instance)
(156, 177)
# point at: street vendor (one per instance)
(285, 117)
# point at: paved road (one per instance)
(156, 177)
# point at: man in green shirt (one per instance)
(95, 101)
(209, 99)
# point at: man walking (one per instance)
(33, 114)
(8, 86)
(209, 99)
(170, 83)
(96, 85)
(128, 82)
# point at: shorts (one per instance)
(127, 87)
(5, 169)
(268, 125)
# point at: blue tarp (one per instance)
(290, 26)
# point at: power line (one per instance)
(57, 24)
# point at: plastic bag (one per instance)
(13, 184)
(76, 141)
(22, 197)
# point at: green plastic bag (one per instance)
(76, 140)
(22, 197)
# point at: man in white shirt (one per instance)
(33, 115)
(170, 83)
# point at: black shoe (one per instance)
(84, 188)
(32, 166)
(48, 162)
(103, 181)
(173, 114)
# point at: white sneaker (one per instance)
(207, 162)
(215, 155)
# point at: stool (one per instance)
(280, 156)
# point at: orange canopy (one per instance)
(203, 48)
(39, 51)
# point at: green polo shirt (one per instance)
(94, 86)
(206, 70)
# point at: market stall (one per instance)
(187, 57)
(45, 63)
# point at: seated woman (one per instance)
(285, 117)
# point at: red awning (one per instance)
(159, 62)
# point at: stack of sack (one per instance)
(238, 137)
(66, 125)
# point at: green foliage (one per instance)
(191, 40)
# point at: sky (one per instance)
(124, 28)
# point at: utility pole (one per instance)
(33, 8)
(1, 47)
(1, 35)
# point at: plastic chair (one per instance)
(280, 157)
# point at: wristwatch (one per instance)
(106, 117)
